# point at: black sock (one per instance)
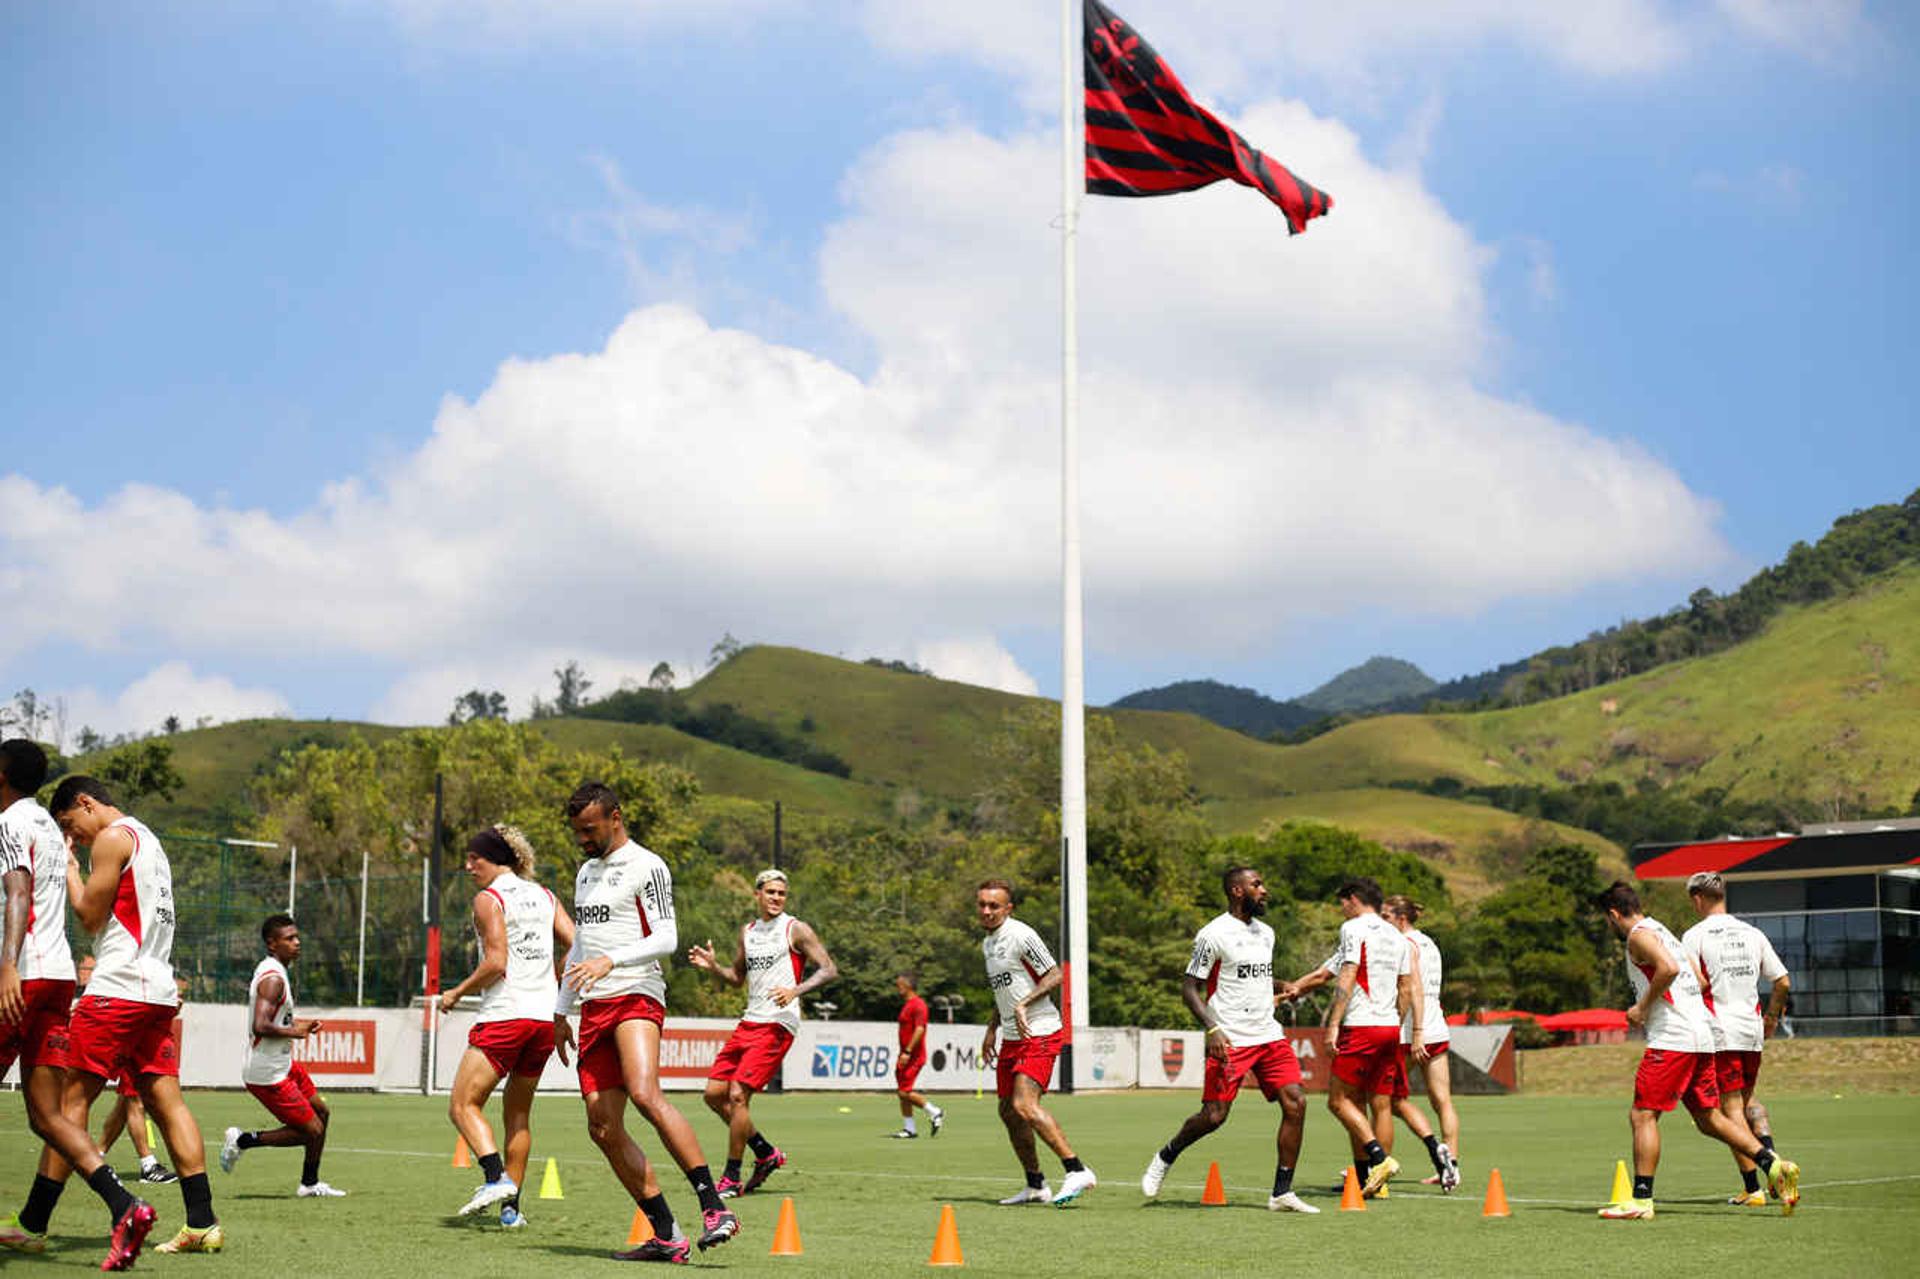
(198, 1196)
(1643, 1187)
(1036, 1179)
(107, 1185)
(1170, 1152)
(1433, 1153)
(1375, 1154)
(1766, 1139)
(310, 1168)
(1072, 1164)
(40, 1201)
(1764, 1157)
(660, 1217)
(1282, 1179)
(701, 1179)
(513, 1203)
(761, 1147)
(733, 1170)
(247, 1140)
(493, 1166)
(1751, 1177)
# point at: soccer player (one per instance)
(124, 1022)
(130, 1117)
(1735, 958)
(270, 1073)
(1229, 987)
(623, 927)
(912, 1057)
(1678, 1063)
(1022, 1041)
(521, 928)
(774, 951)
(1444, 1150)
(1375, 994)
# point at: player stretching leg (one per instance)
(1233, 956)
(1022, 1042)
(1443, 1150)
(521, 927)
(912, 1057)
(623, 927)
(1679, 1060)
(1374, 971)
(275, 1079)
(774, 950)
(1735, 957)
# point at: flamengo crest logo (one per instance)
(1173, 1055)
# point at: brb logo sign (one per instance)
(852, 1061)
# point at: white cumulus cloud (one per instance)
(171, 689)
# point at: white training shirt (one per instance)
(1737, 958)
(772, 964)
(30, 840)
(1016, 961)
(1679, 1021)
(623, 908)
(1433, 1022)
(269, 1058)
(1235, 959)
(1379, 955)
(528, 989)
(133, 951)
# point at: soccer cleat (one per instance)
(1028, 1195)
(903, 1134)
(1378, 1176)
(673, 1252)
(510, 1218)
(1748, 1199)
(720, 1226)
(763, 1169)
(159, 1175)
(319, 1190)
(230, 1151)
(1631, 1210)
(729, 1188)
(1783, 1179)
(212, 1239)
(1289, 1202)
(17, 1237)
(489, 1193)
(1077, 1183)
(129, 1232)
(1155, 1174)
(937, 1117)
(1449, 1170)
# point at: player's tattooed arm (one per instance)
(815, 951)
(19, 890)
(990, 1045)
(1343, 993)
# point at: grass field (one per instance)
(868, 1205)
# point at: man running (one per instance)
(1374, 972)
(1229, 987)
(1402, 912)
(124, 1022)
(912, 1058)
(521, 928)
(1735, 958)
(623, 927)
(774, 951)
(1022, 1041)
(1678, 1063)
(270, 1073)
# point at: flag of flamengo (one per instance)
(1147, 136)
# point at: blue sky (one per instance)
(360, 353)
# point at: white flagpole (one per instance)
(1073, 764)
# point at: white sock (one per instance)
(934, 1111)
(907, 1123)
(148, 1161)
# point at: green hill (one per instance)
(1241, 709)
(1374, 682)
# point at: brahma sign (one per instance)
(342, 1047)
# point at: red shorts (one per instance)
(599, 1054)
(1736, 1071)
(752, 1053)
(1273, 1066)
(126, 1086)
(39, 1038)
(291, 1100)
(907, 1069)
(1666, 1078)
(1399, 1085)
(1366, 1057)
(107, 1037)
(519, 1046)
(1030, 1057)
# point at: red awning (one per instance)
(1586, 1019)
(1489, 1016)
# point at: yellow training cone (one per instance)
(550, 1180)
(1622, 1184)
(153, 1138)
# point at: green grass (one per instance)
(869, 1206)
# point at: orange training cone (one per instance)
(641, 1230)
(786, 1232)
(1216, 1191)
(1496, 1205)
(1351, 1200)
(461, 1159)
(946, 1241)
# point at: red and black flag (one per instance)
(1147, 136)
